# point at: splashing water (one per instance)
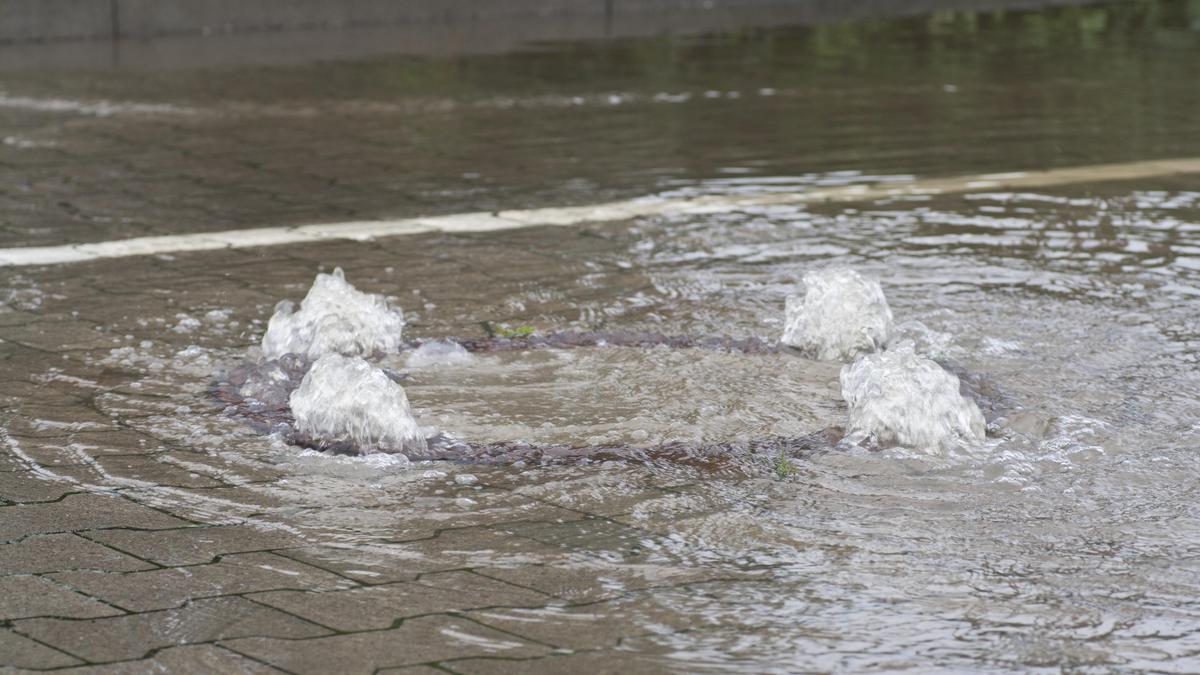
(334, 318)
(349, 405)
(438, 353)
(1066, 540)
(897, 396)
(345, 400)
(841, 314)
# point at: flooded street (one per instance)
(1065, 539)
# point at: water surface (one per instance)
(1067, 541)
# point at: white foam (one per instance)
(346, 399)
(95, 108)
(270, 385)
(218, 317)
(933, 343)
(26, 143)
(438, 353)
(21, 294)
(334, 318)
(897, 396)
(841, 314)
(186, 323)
(373, 467)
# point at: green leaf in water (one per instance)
(783, 466)
(504, 331)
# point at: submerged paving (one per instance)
(128, 542)
(143, 527)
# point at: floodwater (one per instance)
(1067, 540)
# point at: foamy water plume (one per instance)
(841, 314)
(437, 353)
(900, 397)
(344, 399)
(334, 318)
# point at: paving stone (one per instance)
(80, 512)
(25, 596)
(18, 651)
(572, 583)
(132, 636)
(660, 515)
(185, 659)
(594, 626)
(481, 546)
(605, 662)
(252, 498)
(413, 670)
(591, 534)
(10, 463)
(151, 470)
(451, 549)
(599, 495)
(60, 552)
(416, 641)
(371, 566)
(172, 587)
(378, 607)
(588, 578)
(10, 316)
(32, 486)
(58, 337)
(195, 545)
(491, 508)
(98, 441)
(227, 470)
(51, 457)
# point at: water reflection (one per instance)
(947, 94)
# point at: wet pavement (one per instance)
(144, 528)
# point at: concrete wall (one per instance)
(30, 21)
(48, 20)
(166, 17)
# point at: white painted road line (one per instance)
(576, 215)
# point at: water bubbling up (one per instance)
(334, 318)
(344, 399)
(898, 396)
(895, 395)
(436, 353)
(842, 314)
